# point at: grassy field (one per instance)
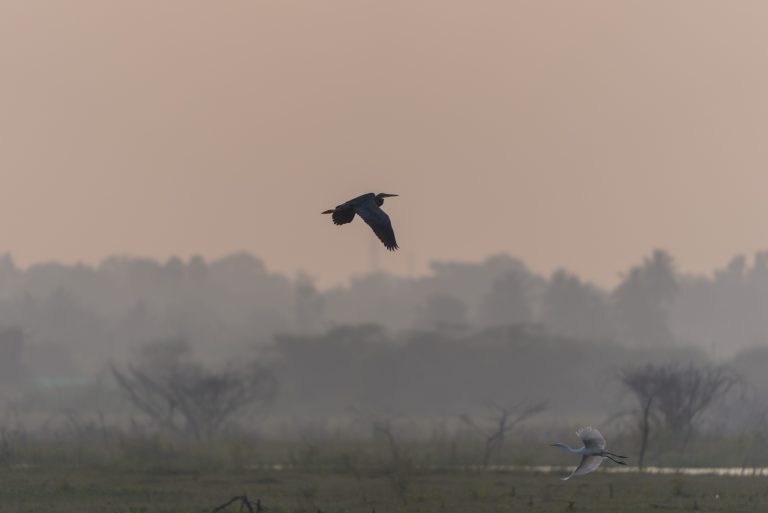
(110, 471)
(105, 490)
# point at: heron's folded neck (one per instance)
(567, 448)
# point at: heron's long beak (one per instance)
(328, 212)
(385, 195)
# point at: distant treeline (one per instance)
(429, 373)
(74, 318)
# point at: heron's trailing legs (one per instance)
(613, 457)
(593, 452)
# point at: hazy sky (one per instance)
(577, 134)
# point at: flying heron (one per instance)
(592, 454)
(368, 206)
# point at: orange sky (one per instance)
(576, 134)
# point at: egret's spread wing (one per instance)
(591, 437)
(343, 216)
(588, 464)
(378, 220)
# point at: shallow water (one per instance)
(688, 471)
(551, 469)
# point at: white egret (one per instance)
(592, 454)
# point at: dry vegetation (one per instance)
(130, 473)
(104, 490)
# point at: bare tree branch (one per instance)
(188, 399)
(504, 420)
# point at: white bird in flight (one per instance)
(592, 454)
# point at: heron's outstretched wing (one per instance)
(588, 464)
(591, 437)
(343, 216)
(378, 220)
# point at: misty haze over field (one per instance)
(521, 137)
(445, 343)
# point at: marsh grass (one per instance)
(134, 472)
(344, 454)
(39, 489)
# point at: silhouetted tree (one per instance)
(645, 384)
(508, 301)
(441, 312)
(576, 309)
(181, 395)
(469, 281)
(674, 396)
(502, 421)
(688, 391)
(643, 299)
(11, 349)
(309, 304)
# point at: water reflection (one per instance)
(688, 471)
(547, 469)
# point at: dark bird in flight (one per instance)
(368, 206)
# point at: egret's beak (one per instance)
(385, 195)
